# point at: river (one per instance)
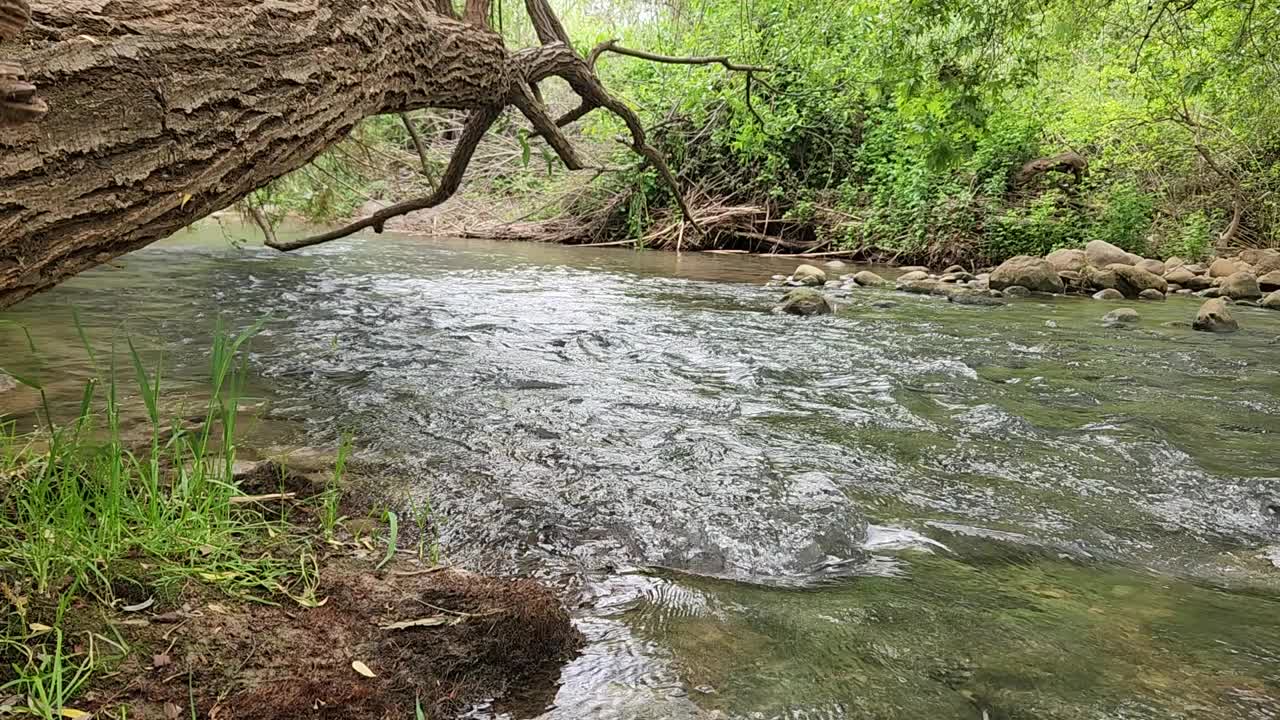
(920, 510)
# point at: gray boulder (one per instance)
(806, 302)
(1016, 291)
(866, 278)
(1132, 280)
(1214, 317)
(1101, 254)
(1067, 260)
(1108, 294)
(973, 297)
(1151, 294)
(809, 275)
(1179, 275)
(913, 276)
(1033, 273)
(1240, 286)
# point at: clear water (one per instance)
(919, 511)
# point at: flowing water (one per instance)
(916, 510)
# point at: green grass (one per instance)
(93, 520)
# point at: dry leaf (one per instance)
(362, 669)
(421, 622)
(73, 713)
(40, 628)
(140, 606)
(162, 660)
(172, 711)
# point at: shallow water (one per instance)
(916, 511)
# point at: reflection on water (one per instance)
(912, 511)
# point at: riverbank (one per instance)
(158, 574)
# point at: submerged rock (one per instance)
(1101, 253)
(806, 302)
(809, 275)
(1016, 291)
(1151, 294)
(833, 264)
(1108, 294)
(1240, 286)
(1121, 316)
(1214, 317)
(974, 297)
(1033, 273)
(866, 278)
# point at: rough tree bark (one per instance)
(162, 112)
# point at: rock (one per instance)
(1223, 267)
(1263, 261)
(866, 278)
(1197, 268)
(1197, 282)
(1173, 288)
(884, 304)
(1270, 282)
(977, 298)
(956, 277)
(1108, 294)
(1174, 262)
(1030, 272)
(809, 275)
(913, 276)
(1100, 279)
(1212, 292)
(1214, 317)
(1155, 267)
(777, 277)
(1016, 291)
(1132, 280)
(1185, 291)
(1121, 316)
(953, 269)
(1240, 286)
(806, 302)
(1151, 294)
(1067, 260)
(1100, 254)
(915, 268)
(831, 284)
(1272, 301)
(1179, 275)
(922, 287)
(833, 264)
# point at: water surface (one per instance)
(916, 511)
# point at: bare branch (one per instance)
(546, 24)
(544, 126)
(613, 47)
(421, 147)
(479, 122)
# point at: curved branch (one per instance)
(544, 127)
(477, 125)
(420, 145)
(546, 24)
(613, 47)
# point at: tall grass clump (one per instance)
(92, 516)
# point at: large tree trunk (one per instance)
(162, 112)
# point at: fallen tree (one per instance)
(121, 123)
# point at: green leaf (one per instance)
(393, 538)
(525, 149)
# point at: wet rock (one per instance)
(913, 276)
(1033, 273)
(1132, 280)
(884, 304)
(1016, 291)
(1067, 260)
(956, 277)
(1121, 316)
(1240, 286)
(1270, 282)
(831, 284)
(915, 268)
(1223, 267)
(1100, 254)
(1173, 288)
(866, 278)
(1179, 324)
(922, 287)
(1214, 317)
(1108, 294)
(953, 269)
(1151, 294)
(1179, 275)
(809, 275)
(974, 297)
(778, 277)
(806, 302)
(1100, 279)
(833, 264)
(1185, 291)
(1272, 301)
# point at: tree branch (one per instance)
(421, 147)
(477, 125)
(546, 24)
(544, 126)
(18, 101)
(477, 12)
(613, 47)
